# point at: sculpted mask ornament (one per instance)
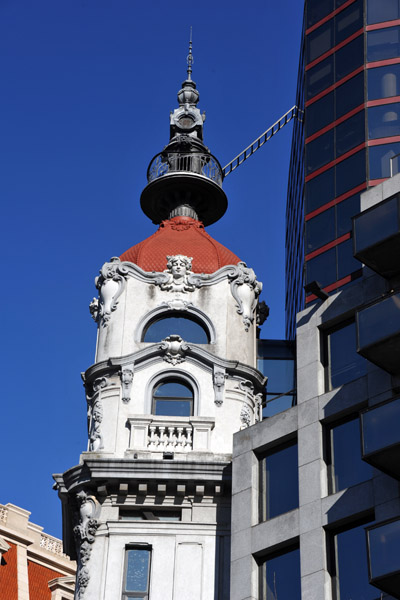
(110, 283)
(174, 348)
(245, 289)
(178, 273)
(84, 533)
(126, 381)
(219, 377)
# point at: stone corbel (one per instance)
(219, 376)
(110, 283)
(84, 532)
(174, 349)
(126, 375)
(245, 289)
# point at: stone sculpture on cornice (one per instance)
(245, 289)
(110, 283)
(177, 273)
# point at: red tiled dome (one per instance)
(180, 235)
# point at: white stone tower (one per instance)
(147, 510)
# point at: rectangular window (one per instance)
(383, 43)
(320, 77)
(345, 210)
(350, 133)
(343, 364)
(346, 263)
(320, 114)
(383, 10)
(320, 190)
(137, 572)
(320, 151)
(350, 173)
(349, 58)
(348, 564)
(322, 268)
(384, 121)
(317, 10)
(348, 21)
(319, 41)
(276, 359)
(343, 455)
(320, 230)
(280, 576)
(384, 82)
(349, 95)
(279, 483)
(379, 160)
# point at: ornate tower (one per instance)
(147, 510)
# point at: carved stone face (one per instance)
(179, 266)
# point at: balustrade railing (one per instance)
(200, 164)
(170, 434)
(51, 544)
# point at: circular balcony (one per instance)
(191, 179)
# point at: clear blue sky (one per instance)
(86, 91)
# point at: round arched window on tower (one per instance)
(188, 328)
(172, 398)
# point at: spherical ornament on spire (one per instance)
(188, 93)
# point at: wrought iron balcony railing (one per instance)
(174, 162)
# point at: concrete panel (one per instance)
(241, 543)
(308, 412)
(388, 510)
(316, 586)
(371, 197)
(310, 381)
(310, 516)
(275, 532)
(346, 503)
(242, 577)
(385, 488)
(310, 443)
(310, 485)
(390, 186)
(274, 429)
(307, 343)
(241, 510)
(313, 549)
(344, 399)
(244, 472)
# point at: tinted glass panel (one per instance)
(189, 330)
(348, 21)
(344, 362)
(351, 567)
(319, 152)
(173, 398)
(383, 43)
(348, 58)
(382, 10)
(375, 225)
(384, 121)
(344, 211)
(137, 570)
(384, 82)
(379, 160)
(320, 190)
(347, 466)
(349, 95)
(346, 262)
(350, 172)
(173, 408)
(320, 230)
(281, 493)
(317, 10)
(320, 114)
(173, 389)
(319, 77)
(350, 133)
(277, 582)
(322, 268)
(384, 543)
(319, 41)
(381, 426)
(379, 321)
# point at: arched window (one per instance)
(173, 398)
(190, 329)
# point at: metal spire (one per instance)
(190, 57)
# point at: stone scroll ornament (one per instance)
(174, 349)
(126, 382)
(245, 289)
(110, 283)
(84, 532)
(95, 415)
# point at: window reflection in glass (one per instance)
(379, 160)
(189, 329)
(320, 190)
(320, 113)
(137, 569)
(379, 321)
(320, 230)
(344, 211)
(346, 263)
(173, 398)
(384, 548)
(350, 173)
(384, 82)
(348, 21)
(375, 225)
(384, 121)
(344, 364)
(349, 58)
(280, 494)
(275, 582)
(317, 10)
(319, 77)
(344, 456)
(351, 568)
(276, 360)
(383, 43)
(350, 133)
(349, 95)
(383, 10)
(319, 41)
(320, 151)
(380, 426)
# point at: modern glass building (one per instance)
(349, 85)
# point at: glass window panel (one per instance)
(188, 329)
(281, 481)
(319, 152)
(350, 133)
(347, 466)
(317, 10)
(320, 114)
(173, 408)
(173, 389)
(351, 568)
(345, 210)
(320, 190)
(350, 172)
(381, 426)
(280, 375)
(383, 43)
(320, 230)
(348, 21)
(276, 582)
(349, 58)
(319, 41)
(346, 262)
(379, 321)
(137, 570)
(344, 362)
(382, 10)
(322, 268)
(276, 405)
(384, 543)
(384, 121)
(349, 95)
(319, 77)
(375, 225)
(379, 160)
(339, 3)
(384, 82)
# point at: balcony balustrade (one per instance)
(378, 333)
(383, 541)
(376, 237)
(380, 436)
(170, 434)
(205, 165)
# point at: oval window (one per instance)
(189, 329)
(173, 398)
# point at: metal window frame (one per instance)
(144, 595)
